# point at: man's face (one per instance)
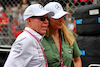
(38, 25)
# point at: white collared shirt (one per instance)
(26, 51)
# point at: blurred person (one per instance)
(14, 28)
(34, 2)
(20, 20)
(14, 11)
(4, 24)
(74, 30)
(8, 12)
(27, 50)
(1, 9)
(24, 4)
(70, 22)
(4, 20)
(19, 6)
(1, 31)
(59, 43)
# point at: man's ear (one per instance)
(28, 20)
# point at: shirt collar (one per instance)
(37, 35)
(50, 39)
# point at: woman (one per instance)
(60, 45)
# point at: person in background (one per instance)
(1, 31)
(59, 43)
(8, 11)
(20, 20)
(14, 11)
(19, 6)
(70, 22)
(4, 19)
(4, 24)
(27, 50)
(74, 30)
(1, 9)
(14, 27)
(24, 4)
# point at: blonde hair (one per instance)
(69, 38)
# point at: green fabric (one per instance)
(53, 56)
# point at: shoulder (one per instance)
(22, 44)
(75, 35)
(45, 38)
(24, 39)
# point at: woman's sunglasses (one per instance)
(40, 17)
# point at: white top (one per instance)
(1, 8)
(14, 12)
(26, 51)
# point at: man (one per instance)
(27, 50)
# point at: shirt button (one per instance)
(60, 62)
(38, 47)
(62, 52)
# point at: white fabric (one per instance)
(1, 9)
(34, 10)
(14, 12)
(70, 26)
(26, 52)
(56, 8)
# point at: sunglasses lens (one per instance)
(43, 18)
(47, 18)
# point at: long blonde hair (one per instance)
(69, 38)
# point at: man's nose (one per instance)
(46, 21)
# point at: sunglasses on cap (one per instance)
(42, 18)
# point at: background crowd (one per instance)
(12, 14)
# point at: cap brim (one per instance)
(42, 13)
(59, 14)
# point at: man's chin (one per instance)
(42, 33)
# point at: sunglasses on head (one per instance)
(40, 17)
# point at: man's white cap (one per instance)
(56, 8)
(34, 10)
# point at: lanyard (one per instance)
(40, 46)
(61, 59)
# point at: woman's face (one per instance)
(24, 1)
(56, 23)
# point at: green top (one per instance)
(53, 56)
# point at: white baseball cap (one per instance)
(56, 8)
(34, 10)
